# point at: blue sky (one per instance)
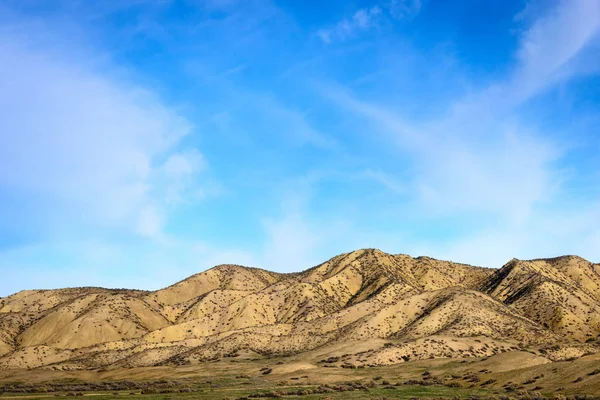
(142, 141)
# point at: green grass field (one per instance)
(248, 388)
(406, 392)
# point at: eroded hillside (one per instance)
(400, 308)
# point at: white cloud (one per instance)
(506, 175)
(91, 149)
(553, 41)
(485, 157)
(547, 55)
(149, 222)
(547, 233)
(296, 239)
(291, 243)
(180, 165)
(362, 19)
(178, 176)
(481, 158)
(368, 18)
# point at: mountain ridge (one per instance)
(297, 272)
(550, 305)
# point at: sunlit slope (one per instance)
(424, 308)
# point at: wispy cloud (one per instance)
(547, 55)
(235, 70)
(293, 123)
(368, 18)
(386, 180)
(291, 242)
(294, 238)
(538, 237)
(481, 157)
(400, 9)
(106, 153)
(362, 19)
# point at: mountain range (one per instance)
(395, 307)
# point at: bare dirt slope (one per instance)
(400, 308)
(562, 294)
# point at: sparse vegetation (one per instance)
(348, 317)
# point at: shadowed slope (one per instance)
(560, 294)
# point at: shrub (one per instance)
(594, 372)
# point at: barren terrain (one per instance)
(529, 326)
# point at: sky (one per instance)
(143, 141)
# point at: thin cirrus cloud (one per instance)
(368, 18)
(547, 55)
(481, 157)
(362, 19)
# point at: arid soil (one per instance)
(363, 311)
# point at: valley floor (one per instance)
(518, 375)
